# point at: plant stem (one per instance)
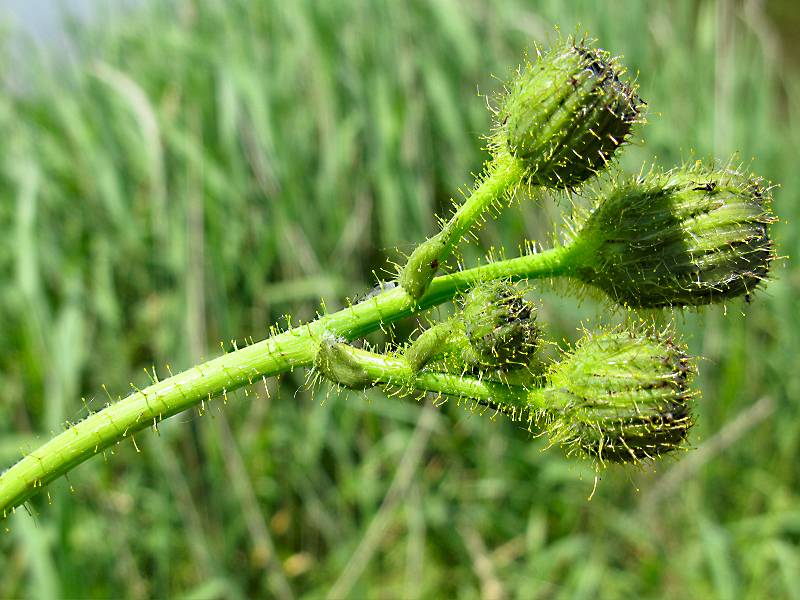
(296, 347)
(502, 175)
(397, 371)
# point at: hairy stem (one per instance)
(296, 347)
(398, 371)
(503, 175)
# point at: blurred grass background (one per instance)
(197, 169)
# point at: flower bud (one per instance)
(620, 397)
(495, 329)
(422, 265)
(566, 114)
(500, 326)
(691, 236)
(435, 343)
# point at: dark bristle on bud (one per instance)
(692, 236)
(566, 114)
(621, 397)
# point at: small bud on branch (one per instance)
(495, 329)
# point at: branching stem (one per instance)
(397, 371)
(296, 347)
(505, 174)
(502, 176)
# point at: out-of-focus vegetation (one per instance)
(203, 168)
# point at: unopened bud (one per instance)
(621, 397)
(500, 325)
(336, 362)
(691, 236)
(495, 329)
(422, 265)
(567, 113)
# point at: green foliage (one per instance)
(296, 143)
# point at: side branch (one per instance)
(296, 347)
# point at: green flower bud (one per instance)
(691, 236)
(566, 114)
(495, 329)
(500, 326)
(620, 397)
(435, 343)
(337, 363)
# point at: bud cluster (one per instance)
(618, 397)
(690, 236)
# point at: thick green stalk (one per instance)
(502, 175)
(506, 173)
(294, 348)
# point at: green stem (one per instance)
(398, 371)
(296, 347)
(503, 174)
